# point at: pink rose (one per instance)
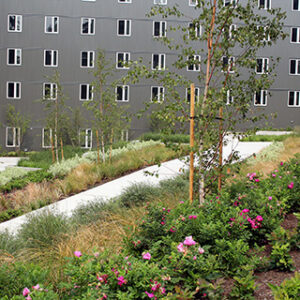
(77, 253)
(180, 248)
(189, 241)
(201, 250)
(26, 292)
(147, 256)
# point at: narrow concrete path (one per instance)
(115, 188)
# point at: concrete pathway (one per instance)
(115, 188)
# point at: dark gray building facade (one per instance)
(38, 38)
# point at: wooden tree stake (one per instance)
(192, 139)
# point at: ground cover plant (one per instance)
(175, 250)
(77, 174)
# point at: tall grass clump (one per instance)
(43, 230)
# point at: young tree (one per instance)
(18, 122)
(221, 43)
(109, 119)
(57, 118)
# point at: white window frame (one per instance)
(89, 92)
(91, 29)
(263, 97)
(16, 137)
(50, 137)
(124, 61)
(197, 31)
(124, 135)
(297, 35)
(196, 67)
(296, 99)
(162, 29)
(293, 5)
(87, 135)
(231, 64)
(297, 67)
(17, 86)
(265, 65)
(161, 62)
(230, 2)
(229, 97)
(18, 23)
(124, 88)
(89, 0)
(160, 94)
(127, 23)
(124, 1)
(188, 94)
(160, 2)
(90, 59)
(17, 53)
(53, 62)
(266, 5)
(52, 91)
(52, 25)
(232, 29)
(193, 2)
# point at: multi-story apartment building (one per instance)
(39, 37)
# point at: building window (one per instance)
(193, 2)
(260, 98)
(47, 137)
(232, 30)
(264, 4)
(159, 28)
(14, 23)
(229, 97)
(228, 64)
(124, 1)
(230, 2)
(13, 136)
(157, 94)
(194, 63)
(50, 58)
(88, 26)
(295, 35)
(124, 135)
(13, 90)
(158, 61)
(188, 94)
(86, 92)
(89, 0)
(295, 66)
(86, 138)
(294, 99)
(122, 93)
(51, 24)
(262, 65)
(122, 60)
(49, 91)
(87, 59)
(161, 2)
(14, 57)
(124, 27)
(296, 5)
(194, 30)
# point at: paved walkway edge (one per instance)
(115, 188)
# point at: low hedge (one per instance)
(172, 138)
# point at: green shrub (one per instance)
(19, 183)
(9, 214)
(8, 243)
(289, 288)
(16, 276)
(280, 257)
(11, 173)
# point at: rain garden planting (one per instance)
(178, 250)
(22, 192)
